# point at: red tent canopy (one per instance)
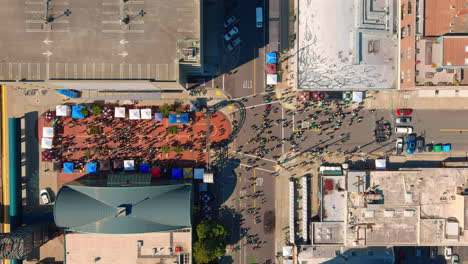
(271, 68)
(155, 172)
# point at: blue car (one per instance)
(411, 143)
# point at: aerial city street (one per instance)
(234, 132)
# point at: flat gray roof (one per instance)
(92, 43)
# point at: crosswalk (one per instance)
(247, 84)
(98, 71)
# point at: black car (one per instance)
(420, 144)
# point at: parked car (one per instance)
(402, 120)
(403, 130)
(234, 31)
(433, 252)
(229, 21)
(403, 112)
(420, 144)
(428, 147)
(410, 143)
(455, 259)
(45, 196)
(446, 147)
(448, 252)
(231, 46)
(399, 145)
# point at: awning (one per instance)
(46, 143)
(48, 132)
(146, 113)
(158, 117)
(176, 173)
(272, 79)
(134, 114)
(68, 93)
(47, 155)
(198, 174)
(119, 112)
(68, 167)
(49, 115)
(91, 167)
(76, 111)
(155, 172)
(178, 118)
(318, 96)
(144, 168)
(129, 165)
(271, 57)
(62, 110)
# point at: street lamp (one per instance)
(126, 20)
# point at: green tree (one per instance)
(84, 111)
(177, 149)
(172, 130)
(166, 149)
(211, 243)
(165, 110)
(96, 110)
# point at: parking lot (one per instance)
(88, 40)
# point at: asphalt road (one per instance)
(244, 67)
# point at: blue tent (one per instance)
(144, 168)
(158, 116)
(198, 174)
(91, 167)
(178, 118)
(176, 173)
(76, 111)
(68, 167)
(271, 57)
(446, 147)
(68, 93)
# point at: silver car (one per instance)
(231, 46)
(234, 31)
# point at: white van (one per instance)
(259, 12)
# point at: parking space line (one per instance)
(123, 31)
(253, 156)
(112, 70)
(29, 71)
(75, 70)
(148, 68)
(84, 71)
(130, 71)
(38, 71)
(157, 72)
(47, 71)
(10, 70)
(103, 67)
(94, 70)
(139, 71)
(121, 70)
(19, 71)
(66, 69)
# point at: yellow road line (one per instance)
(453, 130)
(6, 198)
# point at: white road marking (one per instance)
(103, 68)
(47, 53)
(259, 181)
(247, 84)
(29, 71)
(253, 156)
(19, 71)
(94, 70)
(245, 165)
(84, 71)
(223, 82)
(112, 69)
(47, 71)
(122, 31)
(123, 54)
(139, 71)
(121, 70)
(66, 69)
(148, 68)
(10, 71)
(129, 71)
(75, 70)
(158, 76)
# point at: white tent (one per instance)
(63, 110)
(380, 164)
(48, 132)
(134, 114)
(208, 177)
(129, 164)
(119, 112)
(358, 96)
(272, 79)
(146, 113)
(287, 251)
(46, 143)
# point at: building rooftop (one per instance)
(122, 210)
(93, 43)
(328, 233)
(333, 198)
(455, 51)
(442, 17)
(346, 45)
(122, 248)
(409, 207)
(345, 255)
